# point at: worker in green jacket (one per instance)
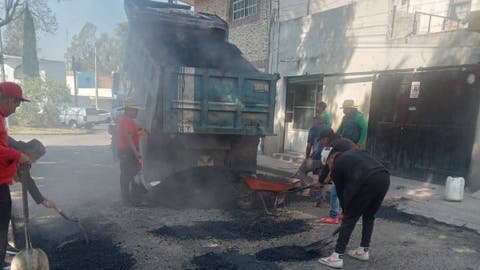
(353, 126)
(322, 113)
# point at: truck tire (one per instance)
(245, 198)
(73, 124)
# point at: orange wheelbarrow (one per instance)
(258, 187)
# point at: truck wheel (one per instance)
(73, 124)
(246, 198)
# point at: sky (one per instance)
(71, 16)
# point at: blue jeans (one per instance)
(334, 203)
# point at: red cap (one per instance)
(11, 90)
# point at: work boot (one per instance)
(329, 220)
(335, 260)
(361, 253)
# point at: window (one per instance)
(300, 104)
(460, 9)
(243, 8)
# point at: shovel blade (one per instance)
(32, 259)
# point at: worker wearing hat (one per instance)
(128, 134)
(362, 183)
(353, 126)
(11, 96)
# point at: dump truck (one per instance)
(205, 104)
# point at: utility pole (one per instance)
(7, 123)
(96, 80)
(2, 59)
(75, 88)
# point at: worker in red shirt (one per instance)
(129, 149)
(11, 96)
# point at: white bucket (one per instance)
(454, 188)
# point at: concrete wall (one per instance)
(249, 34)
(355, 38)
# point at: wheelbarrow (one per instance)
(278, 189)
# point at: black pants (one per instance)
(366, 204)
(129, 167)
(5, 215)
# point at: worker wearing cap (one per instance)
(128, 133)
(322, 113)
(329, 138)
(314, 147)
(353, 126)
(11, 96)
(362, 183)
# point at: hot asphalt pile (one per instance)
(67, 249)
(203, 187)
(241, 228)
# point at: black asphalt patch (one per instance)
(251, 229)
(100, 253)
(391, 213)
(67, 249)
(231, 260)
(287, 253)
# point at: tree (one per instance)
(110, 50)
(82, 48)
(44, 20)
(46, 96)
(29, 58)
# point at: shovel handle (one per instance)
(60, 212)
(22, 174)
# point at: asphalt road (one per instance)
(79, 175)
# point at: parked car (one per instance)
(76, 117)
(98, 116)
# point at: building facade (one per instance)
(51, 69)
(248, 22)
(361, 49)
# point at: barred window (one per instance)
(243, 8)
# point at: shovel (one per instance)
(74, 220)
(29, 258)
(319, 245)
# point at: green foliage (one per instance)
(110, 49)
(46, 96)
(30, 58)
(44, 19)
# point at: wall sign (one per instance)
(415, 90)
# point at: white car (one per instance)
(76, 117)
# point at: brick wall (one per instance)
(249, 34)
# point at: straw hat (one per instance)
(132, 103)
(349, 103)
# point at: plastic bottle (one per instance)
(454, 189)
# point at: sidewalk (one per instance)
(410, 196)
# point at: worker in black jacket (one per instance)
(362, 183)
(34, 149)
(329, 138)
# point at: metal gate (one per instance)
(423, 124)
